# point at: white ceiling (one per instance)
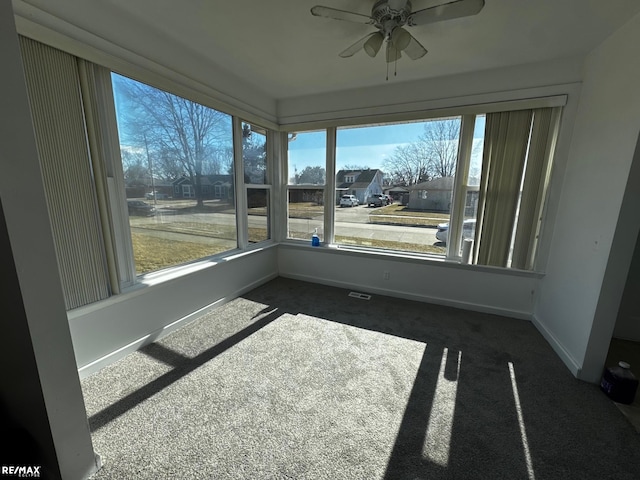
(281, 49)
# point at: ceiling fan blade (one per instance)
(356, 47)
(446, 11)
(415, 50)
(335, 14)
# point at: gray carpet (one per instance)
(296, 380)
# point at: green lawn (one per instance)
(397, 214)
(305, 210)
(153, 252)
(389, 245)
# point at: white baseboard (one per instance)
(574, 367)
(476, 307)
(151, 337)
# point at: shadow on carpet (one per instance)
(297, 380)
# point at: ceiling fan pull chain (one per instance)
(387, 54)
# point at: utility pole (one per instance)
(153, 181)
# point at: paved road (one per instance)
(350, 222)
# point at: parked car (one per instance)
(156, 195)
(377, 200)
(349, 201)
(468, 230)
(389, 199)
(140, 208)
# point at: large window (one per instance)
(177, 158)
(307, 153)
(402, 176)
(469, 188)
(191, 182)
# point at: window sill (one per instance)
(144, 282)
(409, 257)
(178, 271)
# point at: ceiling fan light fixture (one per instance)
(400, 38)
(373, 44)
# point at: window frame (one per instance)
(465, 145)
(278, 186)
(326, 188)
(123, 246)
(242, 208)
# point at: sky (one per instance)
(363, 146)
(360, 147)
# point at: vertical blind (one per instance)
(58, 118)
(536, 180)
(505, 149)
(104, 147)
(515, 173)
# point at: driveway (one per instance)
(359, 214)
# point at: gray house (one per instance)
(213, 186)
(435, 195)
(360, 183)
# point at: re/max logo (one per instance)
(21, 471)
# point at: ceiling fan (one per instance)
(389, 17)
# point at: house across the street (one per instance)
(213, 187)
(361, 183)
(436, 194)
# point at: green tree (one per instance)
(312, 176)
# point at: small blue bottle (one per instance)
(315, 239)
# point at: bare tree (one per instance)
(356, 168)
(408, 165)
(178, 134)
(135, 168)
(440, 139)
(433, 155)
(254, 155)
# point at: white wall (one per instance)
(475, 288)
(110, 329)
(599, 161)
(628, 321)
(40, 388)
(228, 92)
(512, 83)
(478, 289)
(106, 331)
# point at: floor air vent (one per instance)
(361, 296)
